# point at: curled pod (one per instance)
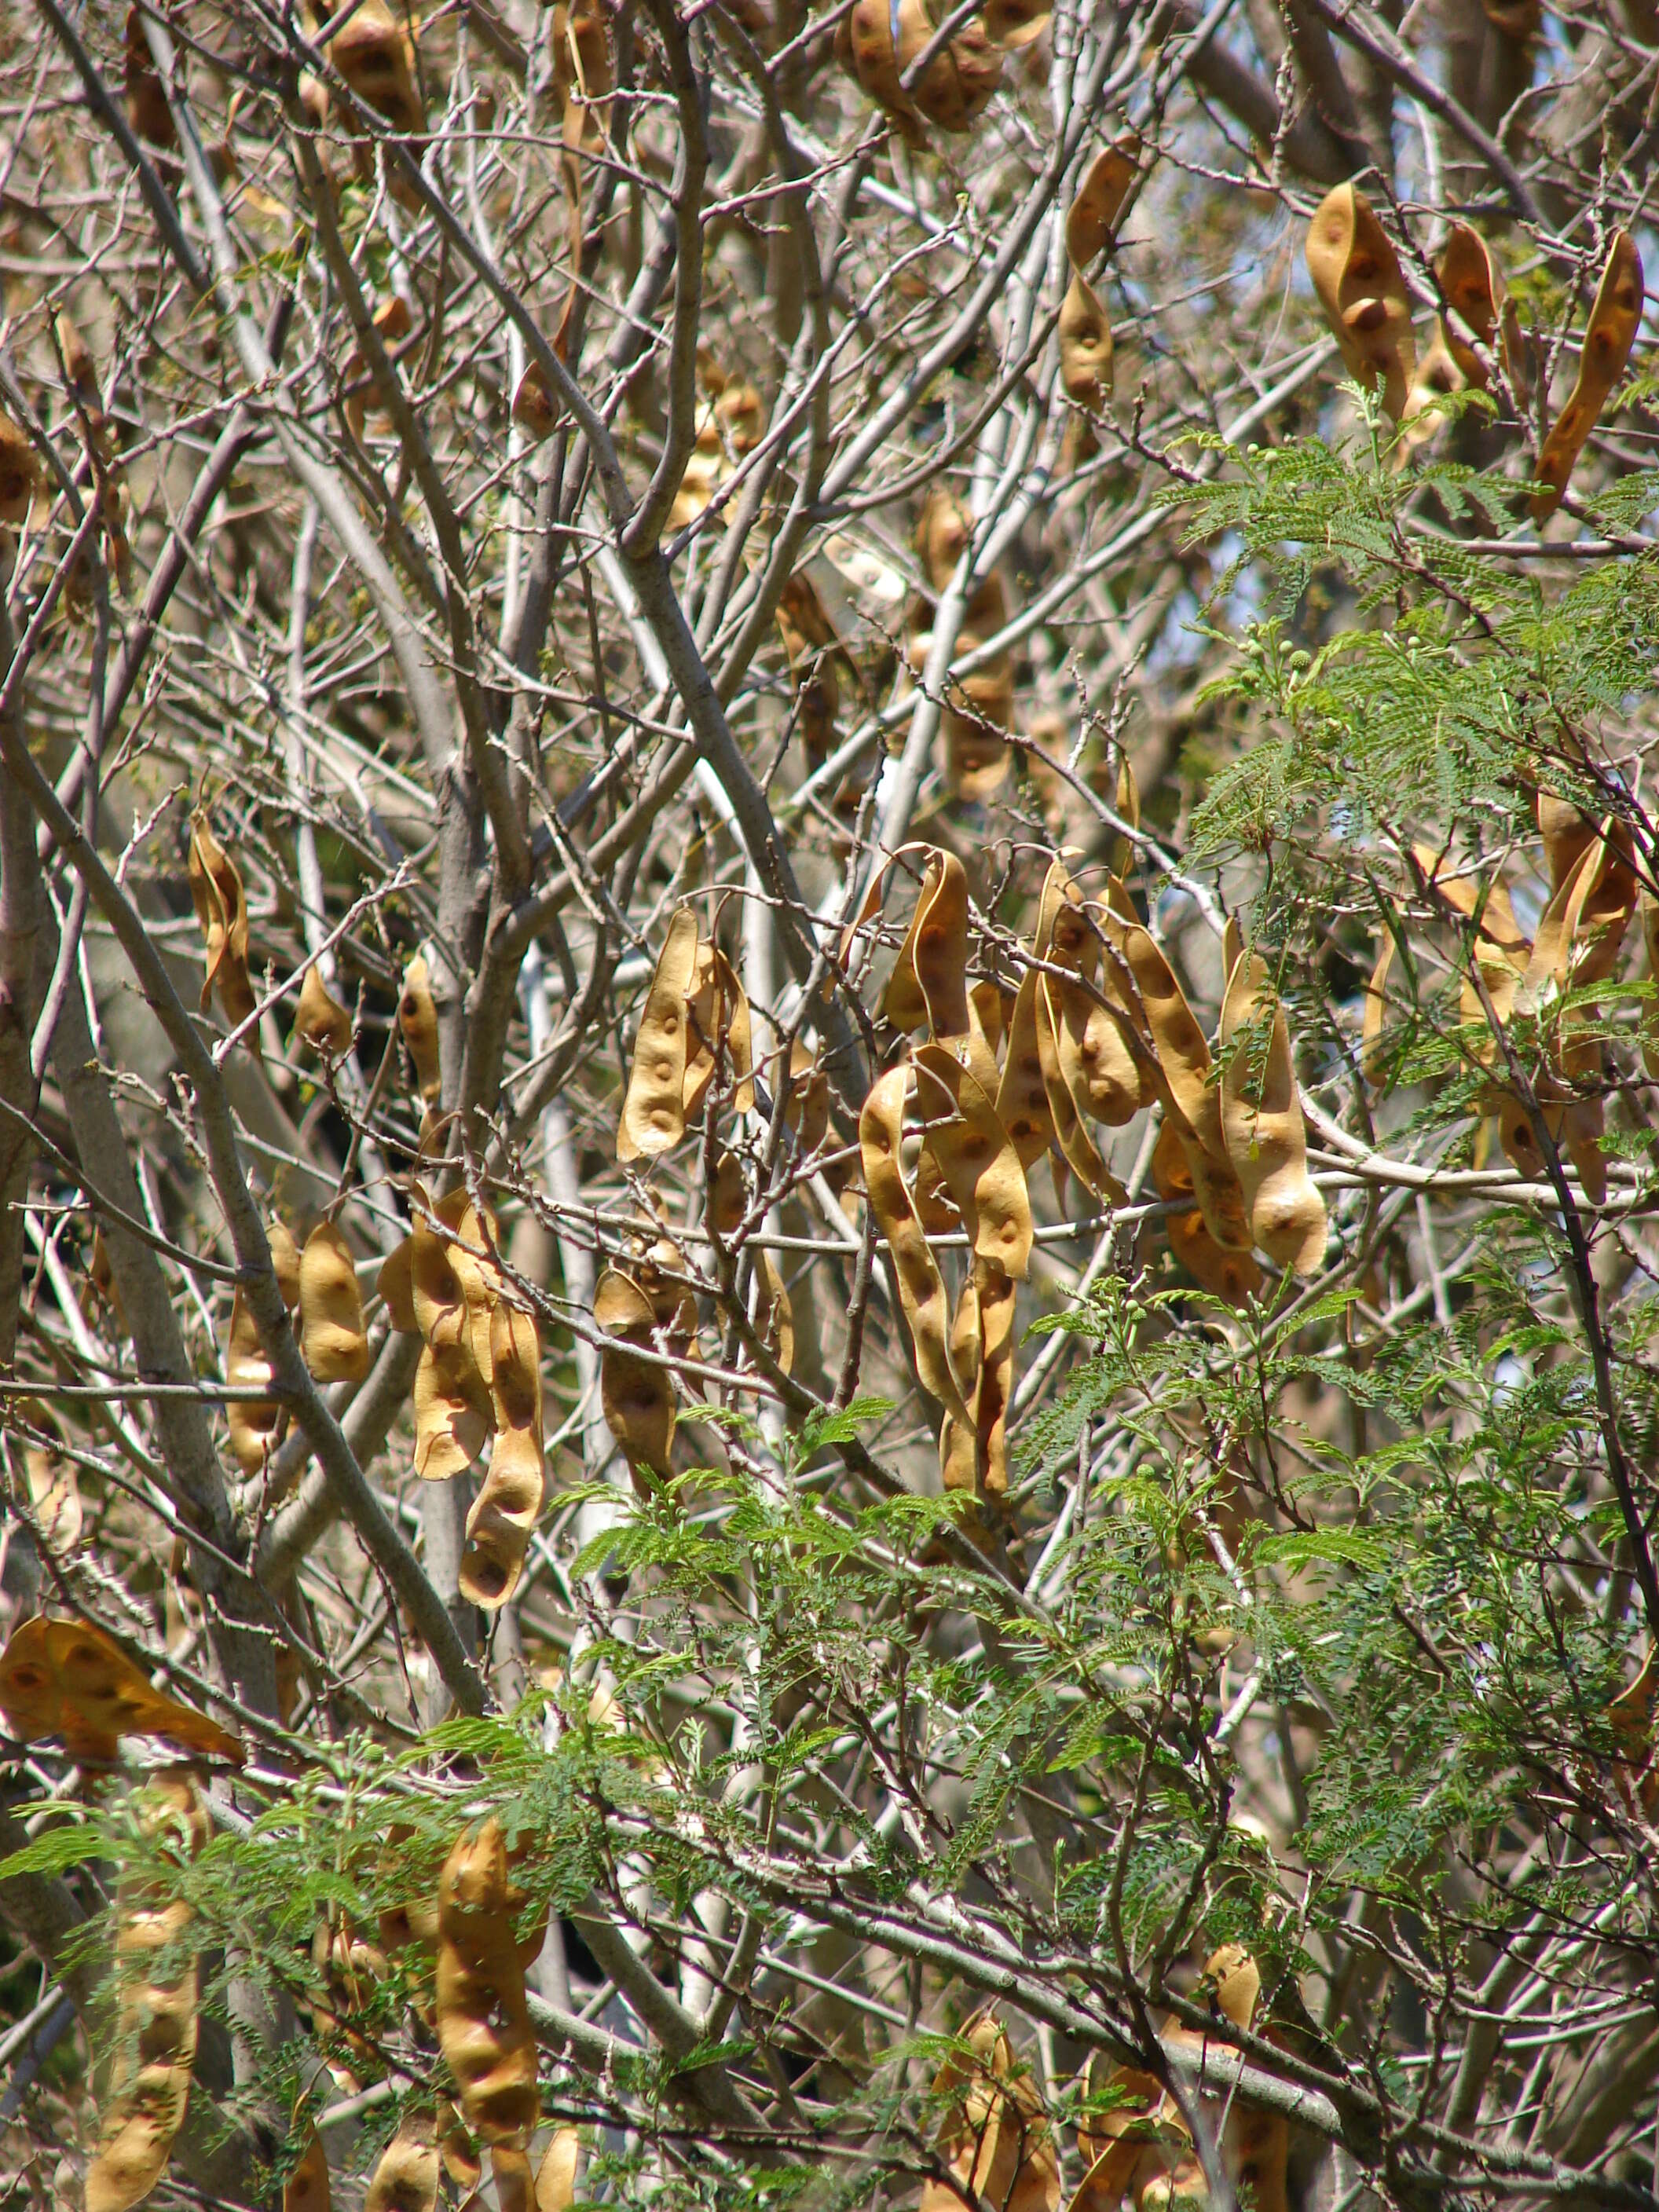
(417, 1023)
(1605, 911)
(19, 474)
(1615, 314)
(1473, 287)
(1230, 1275)
(929, 982)
(319, 1018)
(976, 1158)
(483, 2025)
(331, 1333)
(509, 1501)
(958, 1438)
(54, 1486)
(635, 1393)
(1356, 278)
(921, 1289)
(252, 1421)
(1261, 1121)
(866, 45)
(221, 903)
(376, 55)
(453, 1284)
(1022, 1099)
(654, 1108)
(405, 2176)
(452, 1416)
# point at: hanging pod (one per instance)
(484, 2026)
(728, 1197)
(636, 1394)
(405, 2178)
(719, 1010)
(1356, 278)
(155, 2026)
(884, 38)
(70, 1679)
(306, 2188)
(774, 1317)
(1084, 328)
(331, 1333)
(1614, 317)
(1112, 2145)
(1473, 288)
(394, 319)
(556, 2177)
(996, 2140)
(19, 473)
(811, 647)
(972, 1452)
(921, 1289)
(54, 1486)
(376, 55)
(221, 903)
(1230, 1275)
(455, 2146)
(928, 986)
(509, 1501)
(146, 99)
(977, 1160)
(1261, 1118)
(252, 1422)
(452, 1294)
(654, 1108)
(1650, 1013)
(417, 1023)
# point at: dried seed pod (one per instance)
(1261, 1121)
(321, 1021)
(509, 2169)
(54, 1486)
(1615, 314)
(216, 891)
(974, 1454)
(929, 983)
(284, 1261)
(1102, 197)
(252, 1421)
(811, 647)
(636, 1394)
(1015, 23)
(728, 1199)
(719, 1009)
(455, 2146)
(1190, 1100)
(1567, 832)
(806, 1109)
(1021, 1100)
(1473, 288)
(1084, 332)
(68, 1678)
(1650, 1013)
(1371, 1063)
(997, 2141)
(146, 102)
(775, 1317)
(418, 1021)
(19, 473)
(484, 2027)
(1066, 1109)
(943, 532)
(921, 1289)
(1231, 1276)
(1357, 277)
(956, 87)
(396, 1285)
(376, 55)
(556, 2177)
(509, 1501)
(405, 2178)
(654, 1109)
(1112, 2145)
(331, 1333)
(1631, 1714)
(306, 2188)
(156, 2019)
(981, 1168)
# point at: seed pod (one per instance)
(806, 1109)
(1084, 332)
(1261, 1121)
(929, 982)
(810, 645)
(1631, 1714)
(1066, 1111)
(1015, 23)
(974, 1453)
(252, 1422)
(1102, 197)
(1190, 1100)
(156, 2022)
(981, 1168)
(921, 1289)
(19, 473)
(504, 1514)
(1567, 833)
(1372, 1065)
(1231, 1276)
(556, 2177)
(719, 1009)
(636, 1394)
(396, 1285)
(284, 1261)
(332, 1336)
(54, 1488)
(418, 1020)
(68, 1678)
(1473, 288)
(461, 2161)
(1650, 1013)
(406, 2178)
(451, 1295)
(1357, 277)
(376, 55)
(1615, 314)
(1112, 2144)
(997, 2140)
(216, 891)
(775, 1317)
(146, 102)
(654, 1109)
(306, 2188)
(394, 319)
(484, 2027)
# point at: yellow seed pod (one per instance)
(996, 2139)
(719, 1005)
(654, 1109)
(461, 2161)
(958, 1437)
(977, 1159)
(1101, 200)
(406, 2178)
(556, 2177)
(452, 1425)
(1371, 1063)
(1231, 1276)
(728, 1199)
(396, 1285)
(1021, 1100)
(1191, 1102)
(1615, 316)
(453, 1289)
(921, 1289)
(1604, 913)
(1066, 1109)
(974, 1453)
(418, 1020)
(306, 2188)
(321, 1021)
(376, 55)
(1111, 2145)
(952, 91)
(1261, 1121)
(1567, 834)
(636, 1394)
(929, 983)
(70, 1678)
(221, 903)
(331, 1333)
(19, 474)
(484, 2026)
(942, 535)
(252, 1421)
(1084, 331)
(284, 1261)
(806, 1109)
(509, 2169)
(509, 1501)
(1356, 278)
(1473, 287)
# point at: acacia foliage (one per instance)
(826, 1280)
